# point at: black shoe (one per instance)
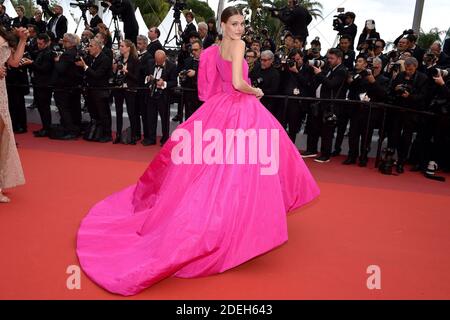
(41, 133)
(68, 136)
(308, 154)
(104, 139)
(163, 141)
(335, 153)
(322, 159)
(118, 139)
(21, 130)
(177, 118)
(349, 161)
(400, 168)
(147, 142)
(362, 162)
(32, 106)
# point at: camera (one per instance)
(258, 82)
(339, 21)
(365, 73)
(396, 67)
(43, 3)
(329, 118)
(183, 76)
(81, 53)
(371, 44)
(83, 4)
(403, 88)
(316, 63)
(436, 72)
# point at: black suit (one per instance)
(61, 24)
(153, 47)
(67, 78)
(42, 68)
(17, 88)
(331, 83)
(159, 102)
(446, 48)
(142, 95)
(190, 27)
(97, 77)
(41, 25)
(16, 23)
(208, 41)
(128, 95)
(404, 124)
(191, 101)
(95, 22)
(126, 11)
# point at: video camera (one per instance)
(43, 3)
(83, 4)
(339, 21)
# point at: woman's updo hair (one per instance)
(229, 12)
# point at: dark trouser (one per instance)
(42, 100)
(317, 128)
(157, 104)
(68, 102)
(130, 99)
(295, 116)
(100, 112)
(270, 105)
(191, 102)
(141, 105)
(344, 116)
(17, 110)
(132, 35)
(402, 127)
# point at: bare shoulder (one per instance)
(237, 47)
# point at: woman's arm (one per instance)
(237, 55)
(16, 56)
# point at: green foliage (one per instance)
(426, 39)
(202, 11)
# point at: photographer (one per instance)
(125, 76)
(437, 142)
(366, 84)
(409, 91)
(313, 53)
(266, 77)
(297, 81)
(155, 44)
(67, 81)
(38, 22)
(144, 58)
(295, 17)
(95, 19)
(20, 20)
(103, 38)
(206, 39)
(344, 24)
(327, 84)
(188, 79)
(161, 77)
(190, 27)
(345, 43)
(368, 37)
(57, 24)
(42, 68)
(124, 9)
(97, 71)
(5, 20)
(252, 59)
(443, 60)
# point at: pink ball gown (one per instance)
(196, 219)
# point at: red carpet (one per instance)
(362, 218)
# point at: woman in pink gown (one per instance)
(197, 219)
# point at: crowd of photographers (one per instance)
(86, 75)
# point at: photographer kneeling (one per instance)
(125, 77)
